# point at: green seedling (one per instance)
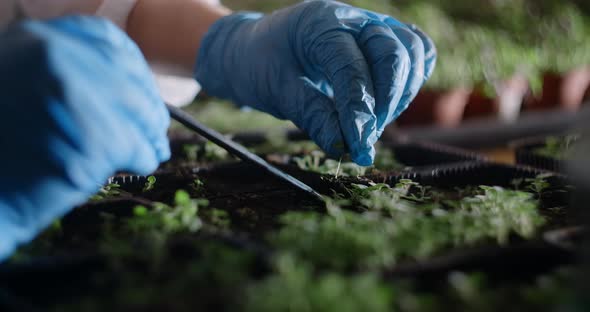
(517, 184)
(140, 211)
(149, 184)
(538, 184)
(198, 185)
(316, 162)
(385, 160)
(214, 152)
(280, 145)
(207, 152)
(191, 152)
(295, 287)
(557, 147)
(182, 217)
(393, 225)
(310, 162)
(219, 218)
(497, 213)
(338, 168)
(112, 190)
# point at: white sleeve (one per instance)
(44, 9)
(117, 11)
(8, 12)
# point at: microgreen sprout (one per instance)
(338, 168)
(207, 152)
(183, 216)
(218, 218)
(295, 287)
(316, 161)
(214, 152)
(198, 185)
(557, 147)
(111, 190)
(191, 151)
(311, 161)
(149, 184)
(538, 184)
(402, 222)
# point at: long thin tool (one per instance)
(237, 149)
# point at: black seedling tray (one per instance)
(410, 154)
(234, 187)
(48, 279)
(525, 155)
(51, 281)
(512, 262)
(493, 174)
(226, 178)
(491, 132)
(425, 154)
(476, 173)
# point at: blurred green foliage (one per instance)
(482, 41)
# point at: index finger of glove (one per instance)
(339, 57)
(114, 74)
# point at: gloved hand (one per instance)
(78, 104)
(338, 72)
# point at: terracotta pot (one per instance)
(575, 86)
(565, 91)
(440, 108)
(512, 94)
(480, 105)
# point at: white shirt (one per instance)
(175, 90)
(115, 10)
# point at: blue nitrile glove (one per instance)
(338, 72)
(78, 103)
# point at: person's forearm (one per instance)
(170, 31)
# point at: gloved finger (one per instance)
(114, 141)
(94, 29)
(317, 116)
(390, 67)
(115, 56)
(149, 113)
(140, 96)
(430, 52)
(340, 58)
(139, 157)
(415, 48)
(139, 92)
(130, 104)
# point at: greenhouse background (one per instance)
(477, 199)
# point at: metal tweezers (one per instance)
(237, 150)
